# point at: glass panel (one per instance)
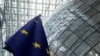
(93, 39)
(82, 29)
(97, 47)
(70, 40)
(82, 49)
(92, 53)
(76, 24)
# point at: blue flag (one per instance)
(30, 40)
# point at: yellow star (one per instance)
(36, 45)
(24, 32)
(48, 52)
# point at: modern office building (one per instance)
(72, 26)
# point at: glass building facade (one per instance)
(74, 29)
(72, 26)
(15, 13)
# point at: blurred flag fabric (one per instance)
(30, 40)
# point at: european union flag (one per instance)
(30, 40)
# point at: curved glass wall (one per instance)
(74, 29)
